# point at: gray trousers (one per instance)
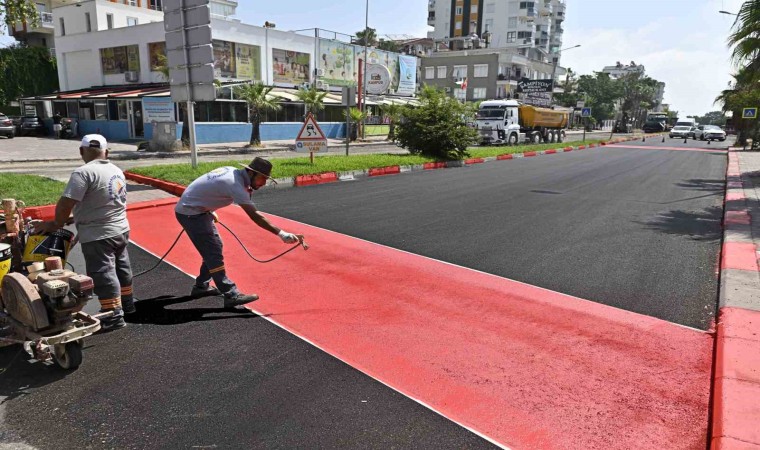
(203, 234)
(107, 262)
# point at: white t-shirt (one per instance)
(219, 188)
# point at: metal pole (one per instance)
(191, 121)
(348, 123)
(190, 116)
(364, 88)
(267, 66)
(585, 124)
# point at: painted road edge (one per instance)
(736, 379)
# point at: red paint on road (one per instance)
(527, 367)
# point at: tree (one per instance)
(389, 46)
(355, 117)
(637, 94)
(739, 94)
(312, 98)
(601, 94)
(256, 95)
(745, 39)
(368, 35)
(393, 113)
(711, 118)
(437, 128)
(26, 71)
(19, 11)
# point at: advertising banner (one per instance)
(116, 60)
(155, 51)
(526, 85)
(158, 109)
(337, 63)
(224, 59)
(378, 79)
(248, 60)
(407, 75)
(290, 67)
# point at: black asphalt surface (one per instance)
(634, 229)
(187, 374)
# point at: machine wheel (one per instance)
(560, 136)
(512, 139)
(552, 136)
(68, 356)
(535, 137)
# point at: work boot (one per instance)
(128, 305)
(231, 301)
(204, 291)
(113, 322)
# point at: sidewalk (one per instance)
(736, 388)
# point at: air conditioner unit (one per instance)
(132, 76)
(322, 85)
(320, 72)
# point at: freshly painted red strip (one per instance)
(737, 380)
(391, 170)
(503, 157)
(739, 255)
(46, 212)
(735, 195)
(581, 147)
(527, 367)
(434, 165)
(474, 161)
(591, 145)
(376, 171)
(735, 185)
(688, 149)
(151, 204)
(306, 180)
(328, 177)
(737, 218)
(550, 152)
(529, 154)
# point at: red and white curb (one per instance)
(736, 381)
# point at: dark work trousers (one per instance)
(107, 263)
(203, 234)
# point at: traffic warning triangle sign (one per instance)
(310, 130)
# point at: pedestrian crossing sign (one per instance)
(749, 113)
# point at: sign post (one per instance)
(187, 24)
(311, 138)
(349, 100)
(585, 113)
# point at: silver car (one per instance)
(681, 131)
(7, 128)
(711, 133)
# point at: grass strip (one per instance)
(291, 167)
(33, 190)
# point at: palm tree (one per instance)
(313, 99)
(368, 35)
(393, 112)
(746, 38)
(256, 95)
(355, 117)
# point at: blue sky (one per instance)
(680, 42)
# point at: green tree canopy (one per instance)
(257, 96)
(26, 71)
(368, 35)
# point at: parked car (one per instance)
(692, 132)
(7, 128)
(32, 125)
(681, 131)
(710, 132)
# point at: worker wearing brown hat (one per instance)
(219, 188)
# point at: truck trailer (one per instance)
(510, 122)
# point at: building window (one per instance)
(489, 24)
(474, 9)
(429, 73)
(478, 93)
(524, 35)
(87, 23)
(63, 26)
(481, 71)
(458, 25)
(101, 110)
(156, 5)
(527, 5)
(459, 11)
(441, 71)
(109, 21)
(460, 94)
(460, 72)
(131, 21)
(131, 2)
(512, 22)
(490, 8)
(511, 36)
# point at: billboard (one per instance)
(116, 60)
(407, 75)
(224, 59)
(290, 67)
(248, 61)
(337, 62)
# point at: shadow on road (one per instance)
(157, 311)
(18, 377)
(699, 184)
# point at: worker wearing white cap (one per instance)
(97, 195)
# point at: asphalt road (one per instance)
(634, 228)
(637, 229)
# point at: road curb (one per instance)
(736, 378)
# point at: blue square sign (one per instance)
(586, 112)
(749, 113)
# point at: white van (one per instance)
(688, 122)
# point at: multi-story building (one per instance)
(620, 70)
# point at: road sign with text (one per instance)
(311, 139)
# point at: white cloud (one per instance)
(687, 52)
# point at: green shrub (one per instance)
(437, 128)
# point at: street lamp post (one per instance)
(364, 88)
(554, 68)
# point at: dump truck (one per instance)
(510, 122)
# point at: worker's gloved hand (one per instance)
(288, 238)
(42, 227)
